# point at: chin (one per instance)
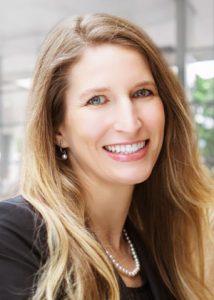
(135, 179)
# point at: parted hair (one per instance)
(171, 209)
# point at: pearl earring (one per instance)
(64, 154)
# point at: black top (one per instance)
(140, 293)
(23, 251)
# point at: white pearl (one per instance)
(64, 156)
(134, 256)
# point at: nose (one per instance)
(127, 117)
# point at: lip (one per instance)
(128, 157)
(126, 143)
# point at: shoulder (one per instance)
(20, 225)
(22, 248)
(13, 207)
(16, 213)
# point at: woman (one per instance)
(115, 201)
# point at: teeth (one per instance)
(131, 148)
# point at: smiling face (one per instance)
(114, 119)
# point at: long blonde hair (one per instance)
(170, 209)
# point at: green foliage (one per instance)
(203, 106)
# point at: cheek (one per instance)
(161, 114)
(159, 119)
(154, 116)
(88, 127)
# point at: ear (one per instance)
(60, 139)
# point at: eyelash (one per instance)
(145, 93)
(95, 98)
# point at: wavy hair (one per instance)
(171, 209)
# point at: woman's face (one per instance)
(114, 120)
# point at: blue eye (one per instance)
(143, 93)
(96, 100)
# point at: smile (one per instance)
(126, 149)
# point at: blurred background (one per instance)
(182, 29)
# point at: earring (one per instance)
(64, 154)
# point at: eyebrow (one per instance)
(106, 89)
(94, 91)
(146, 83)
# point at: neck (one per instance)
(108, 209)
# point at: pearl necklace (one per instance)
(123, 270)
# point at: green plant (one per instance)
(203, 108)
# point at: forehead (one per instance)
(109, 62)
